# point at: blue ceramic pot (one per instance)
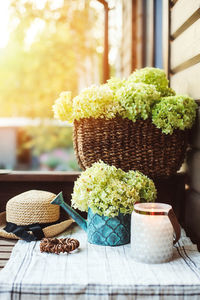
(107, 231)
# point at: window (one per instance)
(46, 47)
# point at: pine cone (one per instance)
(54, 245)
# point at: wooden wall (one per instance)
(182, 61)
(184, 67)
(18, 182)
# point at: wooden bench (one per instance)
(6, 247)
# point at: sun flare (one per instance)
(4, 20)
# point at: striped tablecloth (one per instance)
(97, 272)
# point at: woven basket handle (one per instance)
(175, 224)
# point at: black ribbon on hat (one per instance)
(22, 231)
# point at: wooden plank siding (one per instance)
(183, 14)
(184, 47)
(19, 182)
(184, 70)
(6, 247)
(187, 81)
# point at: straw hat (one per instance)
(31, 216)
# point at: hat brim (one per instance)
(49, 231)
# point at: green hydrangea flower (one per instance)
(108, 190)
(137, 99)
(145, 94)
(154, 76)
(63, 107)
(115, 83)
(175, 112)
(97, 102)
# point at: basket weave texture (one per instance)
(32, 207)
(130, 146)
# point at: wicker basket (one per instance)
(129, 146)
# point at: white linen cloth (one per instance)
(98, 272)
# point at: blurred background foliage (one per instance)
(45, 138)
(53, 46)
(50, 43)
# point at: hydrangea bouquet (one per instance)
(145, 94)
(109, 191)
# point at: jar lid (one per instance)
(154, 209)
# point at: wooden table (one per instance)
(6, 247)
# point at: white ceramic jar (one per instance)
(152, 229)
